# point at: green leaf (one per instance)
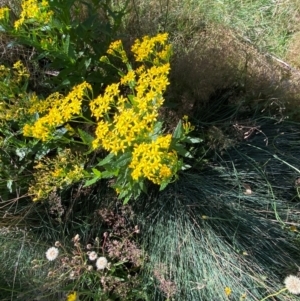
(192, 140)
(163, 186)
(158, 127)
(178, 132)
(22, 152)
(85, 137)
(109, 173)
(87, 62)
(119, 263)
(96, 172)
(9, 185)
(66, 44)
(106, 160)
(131, 98)
(122, 160)
(185, 167)
(126, 200)
(143, 186)
(91, 182)
(42, 151)
(182, 151)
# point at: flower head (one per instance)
(227, 291)
(72, 296)
(52, 253)
(292, 284)
(93, 256)
(101, 263)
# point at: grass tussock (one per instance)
(227, 225)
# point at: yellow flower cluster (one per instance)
(21, 72)
(134, 120)
(153, 160)
(13, 104)
(187, 127)
(148, 46)
(65, 169)
(34, 10)
(116, 49)
(132, 127)
(4, 12)
(59, 109)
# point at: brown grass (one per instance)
(293, 52)
(219, 61)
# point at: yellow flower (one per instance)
(72, 296)
(161, 38)
(128, 78)
(227, 291)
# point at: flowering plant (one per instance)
(69, 36)
(126, 124)
(105, 267)
(122, 122)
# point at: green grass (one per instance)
(266, 24)
(209, 233)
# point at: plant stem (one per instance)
(275, 294)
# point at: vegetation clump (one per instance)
(194, 123)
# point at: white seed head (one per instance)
(93, 256)
(292, 284)
(101, 263)
(52, 253)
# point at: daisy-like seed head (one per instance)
(52, 253)
(101, 263)
(93, 256)
(292, 284)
